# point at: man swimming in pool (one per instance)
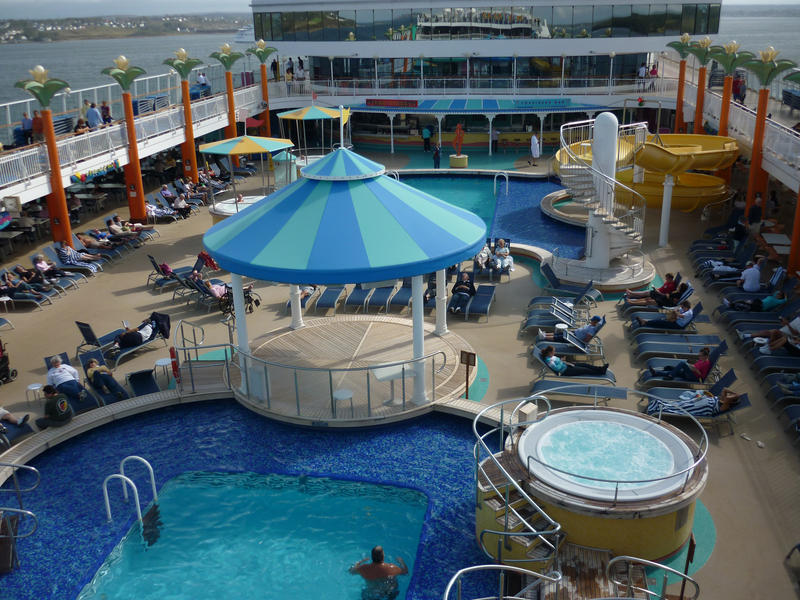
(381, 577)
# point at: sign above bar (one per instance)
(392, 102)
(544, 103)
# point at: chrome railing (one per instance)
(76, 148)
(7, 513)
(302, 391)
(630, 589)
(484, 455)
(535, 581)
(614, 199)
(21, 166)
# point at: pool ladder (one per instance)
(126, 482)
(504, 175)
(12, 517)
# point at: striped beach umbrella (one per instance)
(314, 113)
(345, 221)
(248, 144)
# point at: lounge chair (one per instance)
(505, 270)
(50, 253)
(78, 406)
(626, 309)
(91, 341)
(667, 338)
(733, 218)
(688, 327)
(647, 379)
(10, 434)
(777, 391)
(380, 298)
(106, 397)
(577, 301)
(402, 298)
(732, 318)
(70, 280)
(548, 319)
(29, 298)
(161, 333)
(734, 294)
(649, 350)
(481, 302)
(477, 270)
(555, 285)
(727, 285)
(736, 258)
(571, 391)
(330, 298)
(770, 363)
(142, 383)
(572, 346)
(160, 278)
(358, 297)
(546, 372)
(106, 254)
(792, 413)
(304, 300)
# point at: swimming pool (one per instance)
(432, 455)
(259, 530)
(514, 215)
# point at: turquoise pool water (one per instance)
(271, 537)
(606, 450)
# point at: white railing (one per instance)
(159, 123)
(23, 165)
(782, 143)
(209, 108)
(74, 149)
(247, 98)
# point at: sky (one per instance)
(25, 9)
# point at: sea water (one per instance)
(248, 535)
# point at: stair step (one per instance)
(498, 503)
(514, 522)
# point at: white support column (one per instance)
(391, 133)
(297, 310)
(541, 117)
(439, 120)
(666, 208)
(422, 72)
(611, 56)
(242, 340)
(441, 302)
(417, 319)
(491, 118)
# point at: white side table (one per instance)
(33, 392)
(343, 395)
(165, 364)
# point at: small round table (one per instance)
(343, 395)
(33, 393)
(165, 364)
(561, 328)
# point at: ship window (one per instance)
(277, 29)
(713, 18)
(364, 27)
(330, 23)
(701, 19)
(687, 18)
(347, 24)
(301, 26)
(673, 22)
(440, 23)
(315, 31)
(521, 22)
(542, 21)
(562, 21)
(383, 23)
(401, 20)
(601, 26)
(258, 24)
(639, 20)
(658, 17)
(287, 23)
(582, 21)
(622, 20)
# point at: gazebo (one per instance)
(313, 113)
(344, 222)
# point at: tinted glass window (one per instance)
(383, 22)
(542, 21)
(658, 18)
(347, 23)
(687, 18)
(301, 26)
(672, 25)
(640, 17)
(330, 24)
(562, 21)
(701, 19)
(622, 21)
(364, 29)
(582, 21)
(602, 22)
(521, 17)
(713, 18)
(287, 21)
(315, 32)
(277, 29)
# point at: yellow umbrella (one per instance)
(247, 144)
(314, 113)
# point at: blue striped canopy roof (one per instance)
(350, 230)
(343, 165)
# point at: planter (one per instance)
(458, 161)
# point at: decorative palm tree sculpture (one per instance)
(43, 89)
(183, 66)
(262, 52)
(701, 50)
(227, 57)
(124, 73)
(766, 69)
(730, 58)
(682, 48)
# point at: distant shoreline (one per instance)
(120, 36)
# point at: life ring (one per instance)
(176, 372)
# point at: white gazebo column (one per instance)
(441, 302)
(297, 310)
(417, 319)
(491, 118)
(439, 120)
(242, 341)
(422, 72)
(666, 208)
(391, 133)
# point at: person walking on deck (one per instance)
(535, 150)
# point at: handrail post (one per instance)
(369, 399)
(330, 388)
(296, 393)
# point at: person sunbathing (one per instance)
(482, 257)
(102, 378)
(48, 268)
(502, 256)
(666, 288)
(218, 290)
(584, 334)
(9, 418)
(698, 403)
(674, 319)
(568, 369)
(128, 226)
(786, 337)
(656, 298)
(66, 380)
(686, 370)
(12, 288)
(771, 302)
(462, 291)
(33, 278)
(70, 256)
(92, 243)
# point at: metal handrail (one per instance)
(125, 482)
(149, 470)
(631, 589)
(455, 580)
(19, 511)
(500, 174)
(481, 444)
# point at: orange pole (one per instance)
(794, 253)
(133, 170)
(727, 88)
(230, 130)
(266, 128)
(701, 96)
(56, 199)
(679, 124)
(188, 152)
(757, 182)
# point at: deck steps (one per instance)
(584, 575)
(490, 475)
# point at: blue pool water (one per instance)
(432, 455)
(514, 215)
(257, 530)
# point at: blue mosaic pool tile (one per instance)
(431, 454)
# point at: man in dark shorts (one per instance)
(381, 577)
(57, 411)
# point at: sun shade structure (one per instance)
(248, 144)
(314, 113)
(345, 222)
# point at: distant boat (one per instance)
(245, 35)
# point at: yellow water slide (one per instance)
(676, 155)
